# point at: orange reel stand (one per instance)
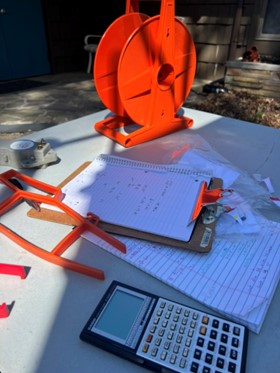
(143, 71)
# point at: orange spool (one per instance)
(107, 59)
(156, 74)
(144, 70)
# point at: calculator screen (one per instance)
(121, 315)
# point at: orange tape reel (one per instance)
(144, 69)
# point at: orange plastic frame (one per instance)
(143, 71)
(53, 198)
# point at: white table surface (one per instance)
(52, 304)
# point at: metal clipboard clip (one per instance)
(53, 197)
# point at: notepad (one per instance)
(159, 199)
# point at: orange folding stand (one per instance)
(53, 198)
(143, 71)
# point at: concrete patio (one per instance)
(58, 99)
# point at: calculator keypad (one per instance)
(187, 340)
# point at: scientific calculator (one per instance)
(163, 335)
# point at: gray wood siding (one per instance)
(211, 24)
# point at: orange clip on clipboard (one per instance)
(208, 197)
(202, 236)
(53, 198)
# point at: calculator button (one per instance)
(178, 310)
(161, 332)
(215, 323)
(220, 363)
(158, 341)
(182, 330)
(211, 346)
(179, 338)
(176, 349)
(159, 312)
(206, 370)
(167, 345)
(236, 330)
(222, 350)
(224, 338)
(173, 359)
(205, 320)
(182, 363)
(208, 358)
(225, 327)
(145, 347)
(233, 354)
(231, 367)
(154, 352)
(167, 315)
(194, 367)
(149, 338)
(203, 330)
(187, 313)
(197, 354)
(193, 324)
(235, 342)
(213, 334)
(190, 332)
(170, 335)
(200, 342)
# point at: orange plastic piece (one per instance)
(132, 6)
(145, 79)
(208, 197)
(4, 310)
(53, 198)
(15, 270)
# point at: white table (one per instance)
(52, 305)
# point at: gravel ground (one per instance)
(240, 105)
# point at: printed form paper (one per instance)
(236, 279)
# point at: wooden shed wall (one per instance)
(210, 23)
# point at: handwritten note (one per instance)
(147, 197)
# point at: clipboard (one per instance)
(201, 238)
